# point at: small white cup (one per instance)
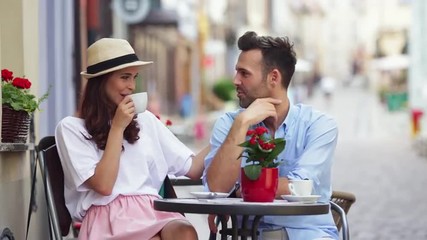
(300, 187)
(140, 101)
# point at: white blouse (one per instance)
(143, 165)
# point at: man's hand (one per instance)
(259, 110)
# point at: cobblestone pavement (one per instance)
(374, 160)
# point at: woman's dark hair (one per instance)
(97, 110)
(277, 52)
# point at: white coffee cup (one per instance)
(140, 101)
(300, 187)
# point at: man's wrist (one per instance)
(241, 122)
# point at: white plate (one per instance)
(209, 195)
(304, 199)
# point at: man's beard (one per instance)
(250, 96)
(245, 102)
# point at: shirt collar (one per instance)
(289, 119)
(290, 116)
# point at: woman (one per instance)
(115, 160)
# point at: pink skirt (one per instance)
(125, 218)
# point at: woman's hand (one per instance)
(124, 114)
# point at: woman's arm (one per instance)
(197, 166)
(107, 169)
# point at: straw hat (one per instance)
(108, 55)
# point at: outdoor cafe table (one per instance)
(234, 207)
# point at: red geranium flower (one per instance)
(6, 75)
(21, 83)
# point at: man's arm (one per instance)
(224, 169)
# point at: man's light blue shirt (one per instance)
(311, 138)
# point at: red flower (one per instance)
(253, 140)
(21, 83)
(267, 146)
(6, 75)
(260, 130)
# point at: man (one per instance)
(263, 72)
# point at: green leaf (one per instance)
(20, 99)
(245, 144)
(280, 145)
(252, 171)
(251, 150)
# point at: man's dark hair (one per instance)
(277, 52)
(98, 110)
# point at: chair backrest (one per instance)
(344, 200)
(167, 190)
(53, 178)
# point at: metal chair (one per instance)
(6, 234)
(340, 205)
(53, 181)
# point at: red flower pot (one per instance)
(261, 190)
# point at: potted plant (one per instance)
(259, 177)
(17, 106)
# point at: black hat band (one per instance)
(110, 63)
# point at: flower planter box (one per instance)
(15, 125)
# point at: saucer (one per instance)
(304, 199)
(209, 195)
